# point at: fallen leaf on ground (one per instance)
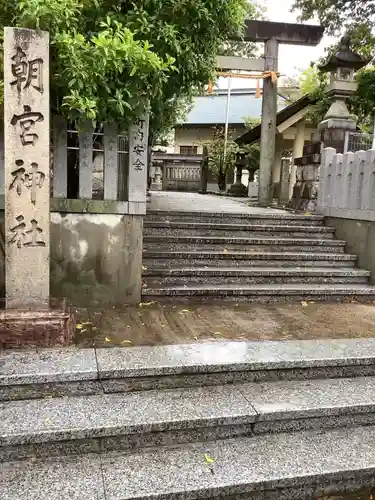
(304, 303)
(106, 339)
(308, 213)
(146, 304)
(144, 268)
(209, 459)
(47, 421)
(128, 326)
(79, 326)
(126, 342)
(218, 334)
(195, 337)
(225, 250)
(185, 311)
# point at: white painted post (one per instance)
(226, 128)
(298, 144)
(348, 177)
(27, 167)
(368, 193)
(85, 161)
(325, 176)
(337, 170)
(111, 174)
(60, 158)
(357, 181)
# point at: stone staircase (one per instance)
(236, 420)
(243, 257)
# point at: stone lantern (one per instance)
(342, 67)
(333, 130)
(239, 189)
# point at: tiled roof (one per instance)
(211, 108)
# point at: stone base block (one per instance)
(50, 327)
(238, 190)
(156, 186)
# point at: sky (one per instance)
(292, 59)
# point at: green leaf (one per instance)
(209, 459)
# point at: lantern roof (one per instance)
(344, 57)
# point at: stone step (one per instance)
(270, 244)
(261, 293)
(291, 465)
(235, 230)
(157, 276)
(168, 259)
(235, 218)
(79, 372)
(97, 424)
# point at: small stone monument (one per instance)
(28, 318)
(238, 189)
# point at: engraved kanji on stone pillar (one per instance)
(138, 158)
(27, 177)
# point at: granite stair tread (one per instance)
(267, 240)
(60, 419)
(170, 215)
(237, 227)
(72, 364)
(296, 289)
(232, 254)
(254, 271)
(71, 418)
(238, 466)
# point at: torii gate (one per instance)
(272, 34)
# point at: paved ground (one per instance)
(194, 202)
(153, 323)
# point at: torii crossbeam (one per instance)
(271, 34)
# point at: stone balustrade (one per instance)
(347, 185)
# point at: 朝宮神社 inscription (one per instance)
(27, 176)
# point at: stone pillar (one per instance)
(27, 169)
(138, 165)
(299, 142)
(284, 182)
(268, 131)
(276, 171)
(31, 317)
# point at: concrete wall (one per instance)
(360, 238)
(96, 259)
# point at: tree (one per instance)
(338, 15)
(254, 10)
(219, 165)
(111, 60)
(216, 162)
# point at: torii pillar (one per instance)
(273, 34)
